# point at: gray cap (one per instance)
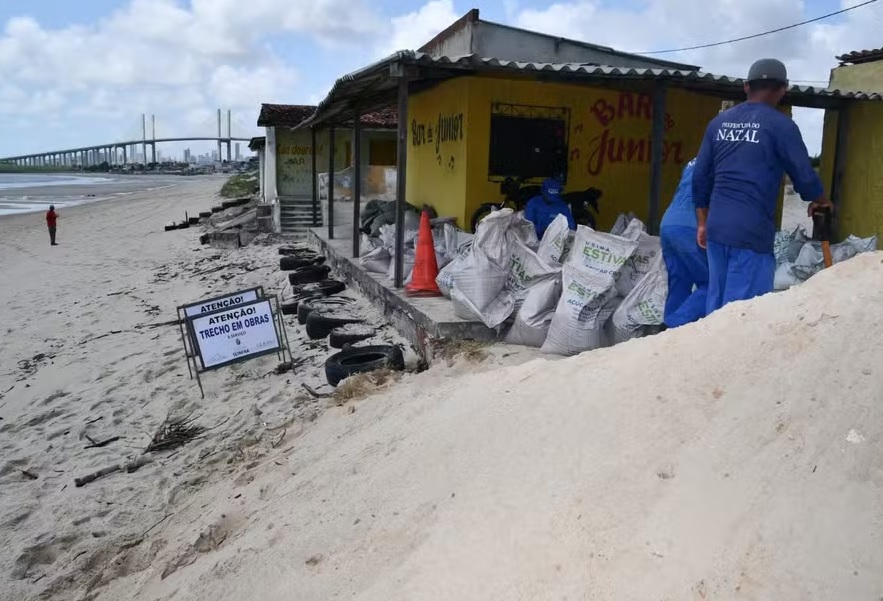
(768, 68)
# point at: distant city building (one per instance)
(238, 156)
(186, 155)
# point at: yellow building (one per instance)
(851, 172)
(465, 135)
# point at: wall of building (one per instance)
(294, 155)
(867, 77)
(860, 210)
(608, 141)
(438, 123)
(500, 41)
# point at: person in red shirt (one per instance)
(51, 218)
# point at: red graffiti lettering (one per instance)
(606, 149)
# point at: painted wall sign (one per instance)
(447, 128)
(615, 144)
(237, 334)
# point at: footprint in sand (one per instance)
(42, 554)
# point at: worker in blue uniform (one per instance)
(542, 209)
(736, 179)
(684, 259)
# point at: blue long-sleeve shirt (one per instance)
(541, 212)
(744, 155)
(682, 212)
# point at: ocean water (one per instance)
(33, 192)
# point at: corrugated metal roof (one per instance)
(373, 85)
(857, 57)
(257, 143)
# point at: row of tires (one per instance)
(227, 204)
(318, 309)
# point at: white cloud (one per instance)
(411, 31)
(807, 51)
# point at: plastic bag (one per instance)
(638, 265)
(644, 307)
(554, 242)
(376, 261)
(532, 321)
(599, 252)
(582, 311)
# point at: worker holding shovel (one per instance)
(744, 155)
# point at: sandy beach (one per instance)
(88, 353)
(617, 474)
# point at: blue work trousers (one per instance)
(736, 274)
(687, 269)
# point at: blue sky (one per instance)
(75, 73)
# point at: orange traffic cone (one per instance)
(425, 266)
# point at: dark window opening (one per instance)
(528, 147)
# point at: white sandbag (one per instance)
(445, 278)
(524, 231)
(811, 260)
(599, 252)
(787, 245)
(784, 279)
(554, 242)
(491, 239)
(634, 229)
(457, 242)
(531, 325)
(862, 245)
(367, 244)
(526, 268)
(407, 265)
(622, 222)
(579, 318)
(640, 263)
(476, 288)
(376, 261)
(644, 307)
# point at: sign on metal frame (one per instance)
(230, 329)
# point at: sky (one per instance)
(80, 73)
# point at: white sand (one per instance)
(79, 346)
(738, 458)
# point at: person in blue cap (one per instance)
(684, 259)
(542, 209)
(744, 155)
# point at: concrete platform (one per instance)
(420, 320)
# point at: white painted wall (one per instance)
(270, 194)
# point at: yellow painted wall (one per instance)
(609, 142)
(867, 77)
(861, 196)
(437, 156)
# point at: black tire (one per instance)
(183, 225)
(309, 274)
(228, 204)
(323, 288)
(320, 326)
(294, 251)
(169, 228)
(310, 304)
(217, 209)
(203, 239)
(338, 338)
(482, 212)
(289, 308)
(193, 220)
(290, 263)
(205, 214)
(361, 359)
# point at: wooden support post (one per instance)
(401, 168)
(357, 180)
(839, 163)
(314, 172)
(657, 141)
(331, 183)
